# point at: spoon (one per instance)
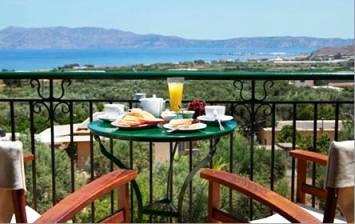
(171, 130)
(219, 121)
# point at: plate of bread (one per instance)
(184, 125)
(136, 118)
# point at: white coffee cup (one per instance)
(211, 110)
(114, 109)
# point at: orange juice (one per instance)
(175, 93)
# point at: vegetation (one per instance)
(252, 65)
(110, 90)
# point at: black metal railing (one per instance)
(251, 110)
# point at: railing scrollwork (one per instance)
(51, 102)
(257, 110)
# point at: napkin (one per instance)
(341, 165)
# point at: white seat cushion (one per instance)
(276, 218)
(32, 215)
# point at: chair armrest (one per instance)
(276, 202)
(85, 195)
(310, 156)
(28, 157)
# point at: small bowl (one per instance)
(188, 114)
(168, 116)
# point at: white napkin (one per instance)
(12, 176)
(12, 172)
(340, 175)
(341, 165)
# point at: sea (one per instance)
(44, 59)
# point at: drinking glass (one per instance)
(176, 87)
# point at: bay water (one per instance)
(36, 59)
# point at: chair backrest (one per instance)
(346, 203)
(12, 182)
(339, 187)
(12, 201)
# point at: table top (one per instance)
(157, 134)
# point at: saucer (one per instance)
(109, 117)
(223, 118)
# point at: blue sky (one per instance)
(198, 19)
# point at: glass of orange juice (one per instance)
(176, 87)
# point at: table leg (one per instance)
(169, 192)
(204, 163)
(165, 207)
(134, 184)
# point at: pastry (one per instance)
(141, 114)
(180, 123)
(136, 117)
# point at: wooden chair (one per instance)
(15, 202)
(75, 202)
(283, 207)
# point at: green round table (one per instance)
(100, 128)
(156, 134)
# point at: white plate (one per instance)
(210, 119)
(133, 127)
(198, 127)
(109, 117)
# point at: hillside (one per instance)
(93, 37)
(326, 51)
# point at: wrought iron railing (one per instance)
(251, 110)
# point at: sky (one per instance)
(196, 19)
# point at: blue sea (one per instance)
(25, 59)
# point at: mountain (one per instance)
(341, 51)
(93, 37)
